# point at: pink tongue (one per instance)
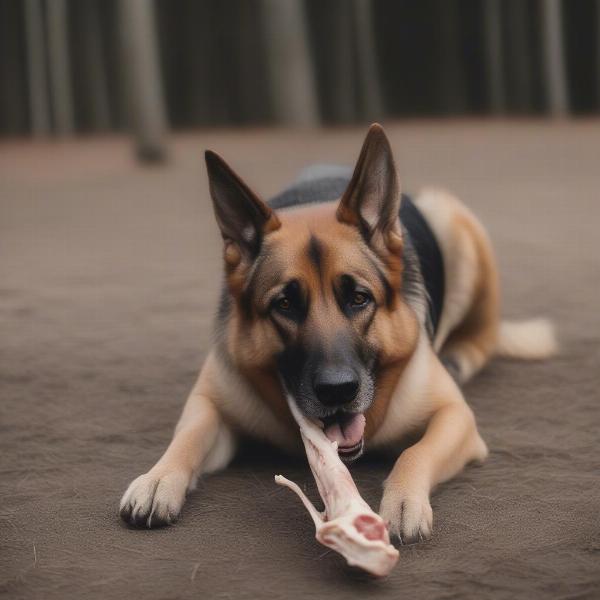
(349, 433)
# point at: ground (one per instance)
(109, 274)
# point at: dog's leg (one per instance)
(467, 334)
(202, 442)
(472, 344)
(450, 441)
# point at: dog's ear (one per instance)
(242, 216)
(372, 200)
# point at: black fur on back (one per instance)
(310, 191)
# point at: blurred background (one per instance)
(148, 66)
(110, 272)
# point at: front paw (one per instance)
(154, 500)
(408, 514)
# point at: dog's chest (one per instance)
(408, 406)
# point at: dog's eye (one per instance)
(289, 303)
(283, 303)
(359, 299)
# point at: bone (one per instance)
(347, 525)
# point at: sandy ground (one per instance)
(109, 274)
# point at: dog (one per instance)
(368, 309)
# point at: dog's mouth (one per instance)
(348, 430)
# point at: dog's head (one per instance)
(315, 292)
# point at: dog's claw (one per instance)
(154, 501)
(410, 518)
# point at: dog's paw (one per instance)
(408, 515)
(154, 500)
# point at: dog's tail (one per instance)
(533, 339)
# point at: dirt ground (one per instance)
(109, 274)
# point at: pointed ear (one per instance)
(372, 200)
(242, 216)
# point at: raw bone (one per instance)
(347, 525)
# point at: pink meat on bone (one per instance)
(347, 525)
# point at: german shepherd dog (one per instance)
(366, 308)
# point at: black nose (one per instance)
(334, 386)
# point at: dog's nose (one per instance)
(335, 385)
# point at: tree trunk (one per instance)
(60, 67)
(39, 102)
(143, 82)
(554, 63)
(95, 66)
(291, 77)
(494, 55)
(368, 74)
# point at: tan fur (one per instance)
(532, 339)
(427, 401)
(468, 329)
(239, 392)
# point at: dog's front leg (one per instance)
(450, 441)
(201, 442)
